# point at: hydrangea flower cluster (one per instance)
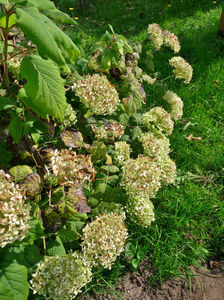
(14, 66)
(109, 131)
(155, 144)
(141, 210)
(141, 176)
(159, 37)
(104, 239)
(160, 119)
(182, 69)
(122, 152)
(167, 167)
(14, 213)
(155, 35)
(61, 277)
(171, 40)
(176, 105)
(67, 165)
(97, 94)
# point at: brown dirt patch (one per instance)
(207, 284)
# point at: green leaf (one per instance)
(6, 103)
(35, 231)
(106, 59)
(5, 155)
(51, 41)
(32, 254)
(135, 263)
(13, 282)
(130, 250)
(12, 21)
(4, 2)
(136, 132)
(70, 231)
(16, 128)
(58, 16)
(44, 87)
(109, 169)
(41, 4)
(56, 248)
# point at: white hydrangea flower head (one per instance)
(104, 239)
(155, 144)
(141, 176)
(158, 118)
(148, 79)
(155, 35)
(122, 152)
(176, 105)
(182, 69)
(167, 167)
(61, 277)
(14, 213)
(140, 210)
(68, 166)
(97, 94)
(171, 41)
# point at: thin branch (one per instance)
(17, 53)
(2, 35)
(21, 50)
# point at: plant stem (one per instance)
(21, 50)
(6, 72)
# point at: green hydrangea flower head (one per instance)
(61, 277)
(104, 239)
(155, 144)
(141, 210)
(158, 118)
(182, 69)
(167, 167)
(176, 105)
(122, 152)
(141, 176)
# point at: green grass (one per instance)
(189, 226)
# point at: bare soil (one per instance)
(207, 284)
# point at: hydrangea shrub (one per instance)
(87, 174)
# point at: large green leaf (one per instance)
(6, 103)
(4, 2)
(51, 41)
(13, 281)
(44, 87)
(41, 4)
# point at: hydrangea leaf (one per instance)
(70, 231)
(51, 41)
(13, 281)
(6, 103)
(44, 87)
(35, 231)
(56, 247)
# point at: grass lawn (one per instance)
(189, 226)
